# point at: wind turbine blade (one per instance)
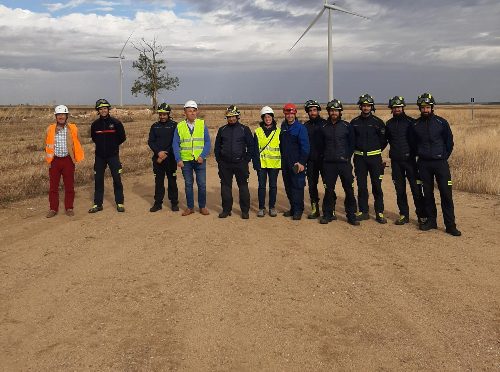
(337, 8)
(112, 57)
(124, 45)
(307, 29)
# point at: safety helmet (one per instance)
(101, 102)
(61, 109)
(164, 107)
(366, 99)
(396, 101)
(334, 104)
(290, 108)
(311, 103)
(191, 104)
(266, 110)
(425, 99)
(232, 111)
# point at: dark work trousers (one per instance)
(402, 170)
(313, 170)
(241, 173)
(115, 167)
(294, 188)
(263, 174)
(167, 167)
(439, 169)
(331, 172)
(364, 165)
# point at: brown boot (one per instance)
(51, 213)
(204, 211)
(187, 212)
(70, 213)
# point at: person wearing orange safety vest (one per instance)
(62, 151)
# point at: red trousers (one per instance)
(66, 168)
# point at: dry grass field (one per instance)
(475, 162)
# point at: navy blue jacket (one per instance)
(431, 138)
(337, 141)
(314, 131)
(107, 134)
(161, 136)
(294, 144)
(369, 133)
(234, 143)
(397, 131)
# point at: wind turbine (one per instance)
(330, 7)
(120, 57)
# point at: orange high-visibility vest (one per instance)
(75, 149)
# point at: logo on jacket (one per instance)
(111, 126)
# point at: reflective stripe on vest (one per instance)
(270, 156)
(369, 153)
(191, 144)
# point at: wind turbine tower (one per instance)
(330, 7)
(120, 57)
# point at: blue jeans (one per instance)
(201, 181)
(262, 174)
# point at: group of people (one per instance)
(326, 147)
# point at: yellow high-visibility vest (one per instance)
(191, 144)
(270, 155)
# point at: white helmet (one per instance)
(61, 109)
(266, 110)
(191, 104)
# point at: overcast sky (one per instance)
(238, 51)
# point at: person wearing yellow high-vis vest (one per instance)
(62, 151)
(267, 160)
(191, 145)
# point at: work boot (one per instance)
(353, 221)
(155, 207)
(452, 230)
(51, 213)
(175, 207)
(245, 215)
(325, 219)
(95, 208)
(288, 213)
(314, 211)
(380, 218)
(362, 216)
(187, 212)
(69, 212)
(120, 208)
(428, 225)
(333, 217)
(261, 213)
(204, 211)
(297, 216)
(224, 214)
(401, 220)
(272, 212)
(422, 220)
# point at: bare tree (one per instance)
(152, 68)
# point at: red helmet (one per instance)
(290, 108)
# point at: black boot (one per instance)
(452, 230)
(314, 211)
(155, 208)
(428, 225)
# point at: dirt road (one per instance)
(147, 292)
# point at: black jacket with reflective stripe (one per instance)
(337, 141)
(397, 131)
(108, 134)
(234, 143)
(369, 133)
(314, 131)
(432, 138)
(161, 136)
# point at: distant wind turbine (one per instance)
(330, 7)
(120, 57)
